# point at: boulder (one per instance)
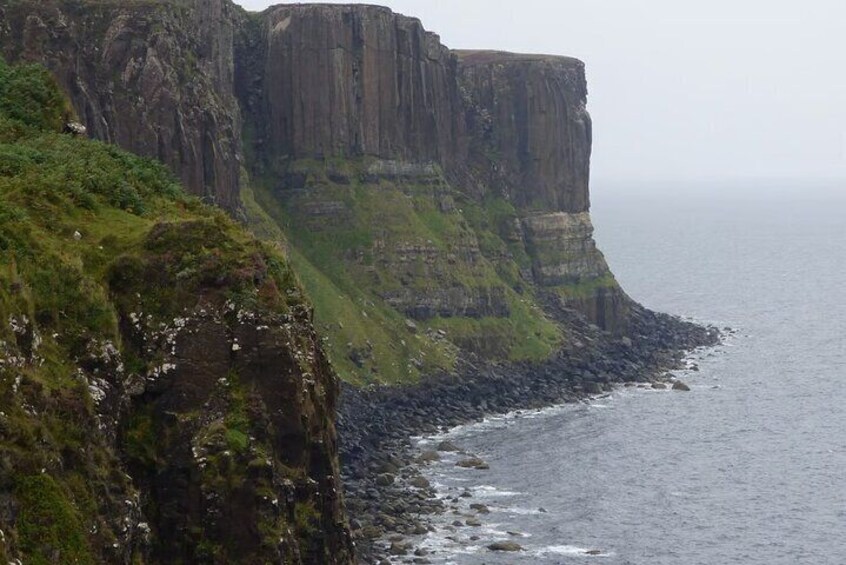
(419, 482)
(75, 129)
(429, 456)
(592, 387)
(372, 532)
(388, 468)
(505, 546)
(678, 385)
(448, 446)
(398, 548)
(471, 462)
(385, 479)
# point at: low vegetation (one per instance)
(88, 235)
(366, 248)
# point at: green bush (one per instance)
(29, 94)
(49, 527)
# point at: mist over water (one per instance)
(747, 468)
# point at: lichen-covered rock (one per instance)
(241, 461)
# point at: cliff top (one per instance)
(486, 57)
(337, 8)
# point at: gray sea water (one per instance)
(750, 466)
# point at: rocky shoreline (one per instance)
(389, 500)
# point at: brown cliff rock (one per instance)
(229, 434)
(530, 131)
(354, 80)
(317, 81)
(155, 78)
(245, 458)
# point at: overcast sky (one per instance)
(723, 89)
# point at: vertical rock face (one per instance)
(155, 78)
(529, 140)
(355, 80)
(318, 81)
(530, 131)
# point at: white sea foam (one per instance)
(521, 511)
(488, 491)
(566, 550)
(490, 422)
(438, 544)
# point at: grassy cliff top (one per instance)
(487, 57)
(88, 213)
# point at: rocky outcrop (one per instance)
(530, 132)
(563, 248)
(155, 78)
(243, 467)
(530, 139)
(479, 302)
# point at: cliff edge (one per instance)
(164, 397)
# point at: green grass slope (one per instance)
(85, 230)
(358, 242)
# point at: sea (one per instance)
(749, 467)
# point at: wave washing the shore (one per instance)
(746, 468)
(482, 512)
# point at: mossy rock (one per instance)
(49, 527)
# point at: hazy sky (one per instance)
(682, 90)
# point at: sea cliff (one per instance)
(433, 204)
